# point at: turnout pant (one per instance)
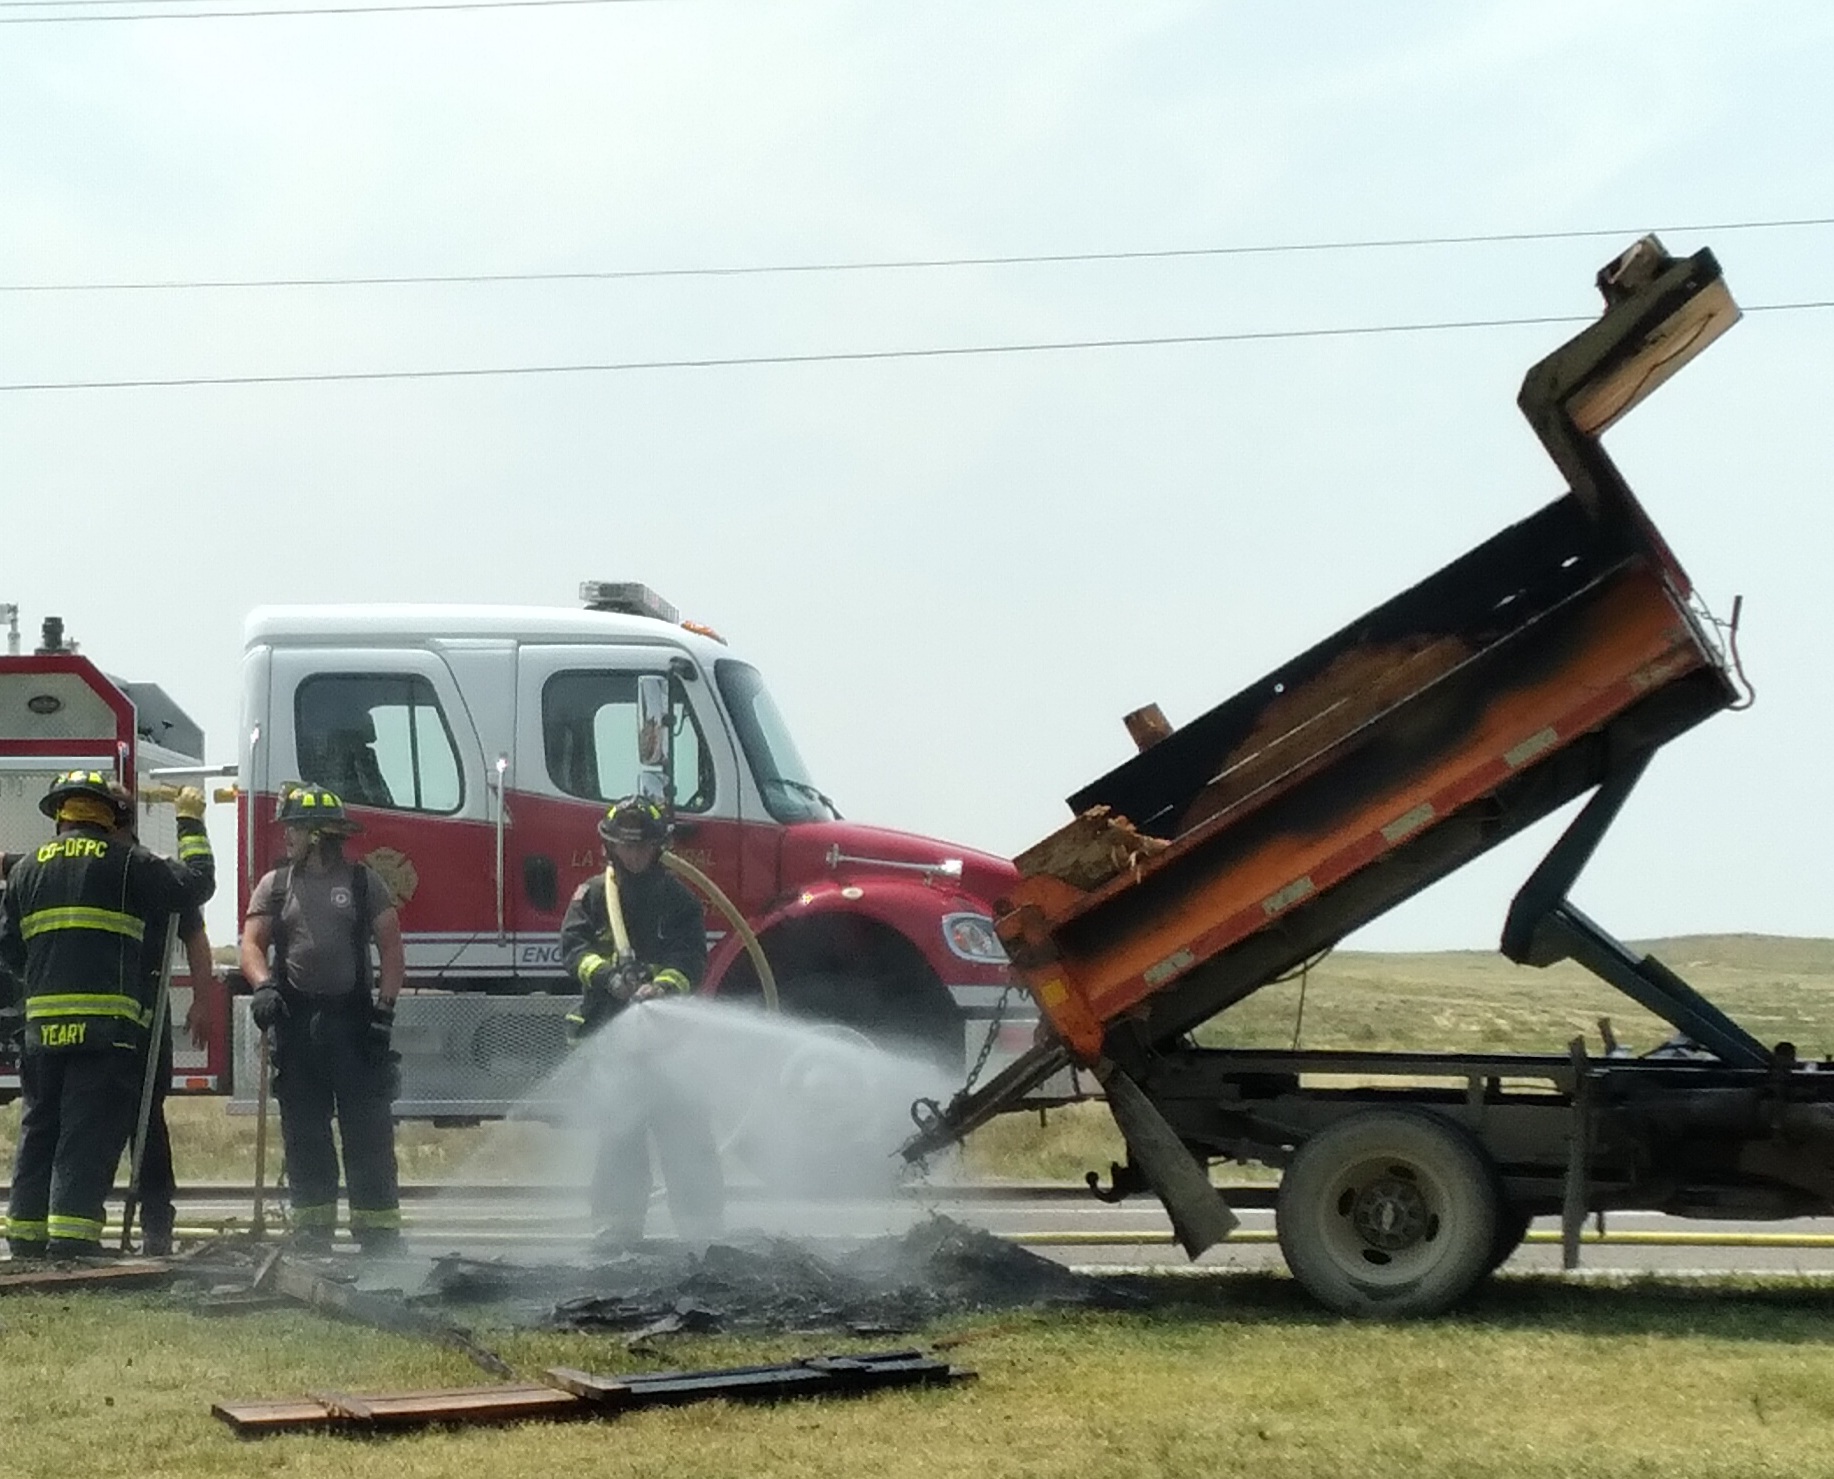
(78, 1113)
(690, 1160)
(323, 1069)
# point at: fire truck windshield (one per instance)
(783, 780)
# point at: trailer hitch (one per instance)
(1124, 1181)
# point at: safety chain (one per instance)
(993, 1032)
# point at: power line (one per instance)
(893, 264)
(216, 15)
(855, 356)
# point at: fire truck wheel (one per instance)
(1389, 1213)
(911, 1019)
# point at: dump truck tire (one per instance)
(1389, 1213)
(1512, 1224)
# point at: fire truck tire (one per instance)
(1388, 1214)
(821, 1125)
(898, 1016)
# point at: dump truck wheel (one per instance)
(1512, 1223)
(1388, 1213)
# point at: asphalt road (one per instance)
(1074, 1229)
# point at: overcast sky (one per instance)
(956, 573)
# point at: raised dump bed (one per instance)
(1553, 660)
(1518, 677)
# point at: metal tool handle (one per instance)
(502, 815)
(258, 1223)
(161, 1003)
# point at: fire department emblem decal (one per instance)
(397, 871)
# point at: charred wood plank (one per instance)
(1087, 852)
(64, 1277)
(571, 1394)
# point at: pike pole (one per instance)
(162, 1001)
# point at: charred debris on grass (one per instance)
(758, 1283)
(747, 1283)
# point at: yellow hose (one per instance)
(767, 980)
(614, 914)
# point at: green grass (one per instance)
(1236, 1375)
(1239, 1377)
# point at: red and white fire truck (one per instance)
(478, 746)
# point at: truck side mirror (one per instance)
(655, 737)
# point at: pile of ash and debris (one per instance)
(874, 1286)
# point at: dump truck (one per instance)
(1552, 661)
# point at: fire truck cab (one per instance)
(478, 746)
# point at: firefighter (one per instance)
(319, 911)
(72, 927)
(668, 955)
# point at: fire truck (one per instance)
(59, 712)
(478, 746)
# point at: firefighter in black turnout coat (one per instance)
(332, 1053)
(71, 928)
(667, 955)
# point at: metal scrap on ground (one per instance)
(568, 1394)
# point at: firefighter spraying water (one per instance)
(631, 935)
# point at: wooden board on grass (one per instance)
(509, 1402)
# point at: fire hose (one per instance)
(767, 980)
(620, 933)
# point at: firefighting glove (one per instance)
(671, 983)
(661, 983)
(381, 1030)
(267, 1006)
(628, 980)
(190, 803)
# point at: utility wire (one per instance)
(856, 356)
(217, 15)
(897, 264)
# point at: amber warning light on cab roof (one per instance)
(629, 597)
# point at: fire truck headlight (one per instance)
(971, 936)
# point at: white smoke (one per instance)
(808, 1116)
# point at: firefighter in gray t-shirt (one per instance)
(319, 913)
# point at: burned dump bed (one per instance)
(1444, 721)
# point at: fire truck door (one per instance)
(576, 742)
(390, 732)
